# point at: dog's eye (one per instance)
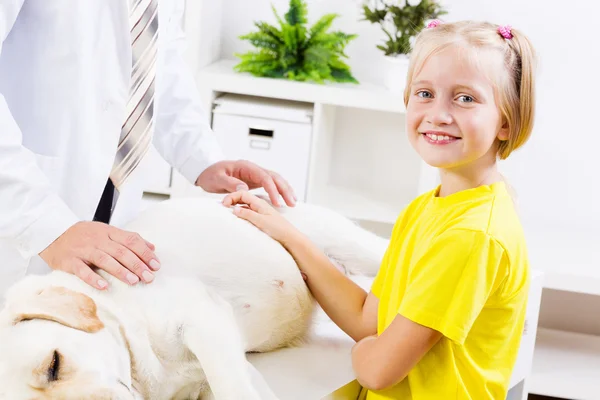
(54, 368)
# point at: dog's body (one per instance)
(224, 289)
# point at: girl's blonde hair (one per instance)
(515, 89)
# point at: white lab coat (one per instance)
(65, 67)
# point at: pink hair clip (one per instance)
(505, 31)
(434, 23)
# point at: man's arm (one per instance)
(32, 215)
(183, 136)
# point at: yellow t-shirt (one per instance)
(457, 264)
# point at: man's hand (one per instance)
(232, 176)
(93, 244)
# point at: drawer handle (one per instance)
(260, 144)
(261, 132)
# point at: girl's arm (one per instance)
(346, 303)
(384, 361)
(379, 362)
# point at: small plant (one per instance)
(296, 52)
(401, 23)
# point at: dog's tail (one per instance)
(357, 250)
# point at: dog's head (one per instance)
(53, 345)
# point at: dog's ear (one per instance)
(58, 304)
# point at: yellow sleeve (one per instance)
(449, 285)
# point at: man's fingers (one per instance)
(106, 262)
(284, 189)
(86, 274)
(270, 187)
(232, 184)
(115, 259)
(138, 246)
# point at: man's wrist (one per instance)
(194, 167)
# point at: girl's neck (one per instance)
(456, 180)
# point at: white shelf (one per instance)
(572, 282)
(569, 257)
(221, 77)
(566, 365)
(354, 205)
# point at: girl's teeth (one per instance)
(439, 137)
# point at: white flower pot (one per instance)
(396, 69)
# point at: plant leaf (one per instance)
(374, 16)
(322, 24)
(317, 57)
(258, 63)
(262, 40)
(297, 13)
(270, 30)
(342, 75)
(281, 23)
(290, 39)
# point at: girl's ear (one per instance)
(503, 133)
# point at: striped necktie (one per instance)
(136, 132)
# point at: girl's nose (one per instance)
(439, 114)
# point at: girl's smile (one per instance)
(437, 138)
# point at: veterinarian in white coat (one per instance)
(65, 70)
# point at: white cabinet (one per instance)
(273, 134)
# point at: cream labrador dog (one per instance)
(225, 289)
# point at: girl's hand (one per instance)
(262, 215)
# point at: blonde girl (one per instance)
(445, 314)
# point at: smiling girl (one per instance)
(445, 314)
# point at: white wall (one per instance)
(555, 174)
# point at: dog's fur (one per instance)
(224, 289)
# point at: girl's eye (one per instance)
(466, 98)
(424, 94)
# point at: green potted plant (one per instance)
(294, 51)
(401, 21)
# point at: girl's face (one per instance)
(452, 119)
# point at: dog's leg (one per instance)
(258, 382)
(214, 337)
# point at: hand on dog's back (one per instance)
(125, 255)
(261, 214)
